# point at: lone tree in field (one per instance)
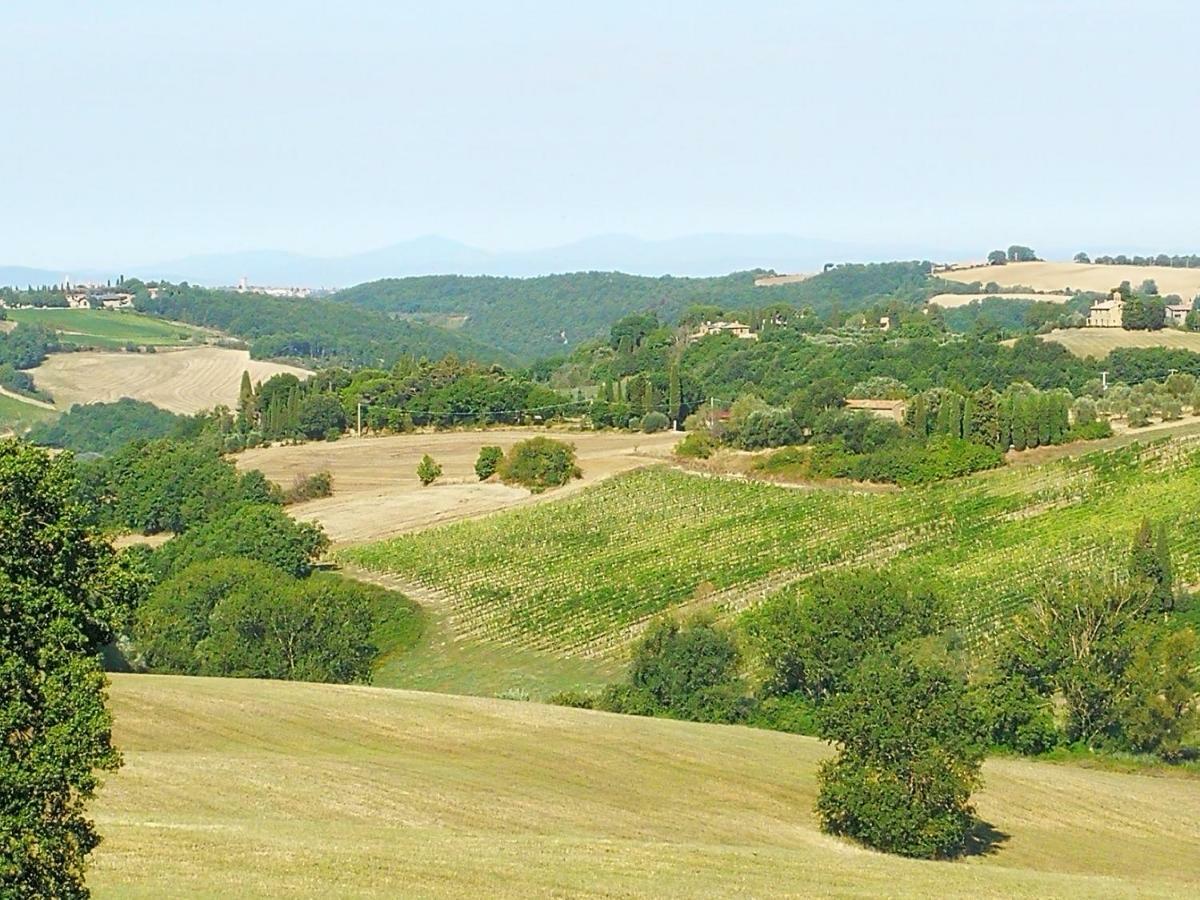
(909, 753)
(540, 463)
(62, 591)
(997, 258)
(428, 470)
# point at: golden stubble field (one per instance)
(1099, 342)
(1059, 276)
(375, 488)
(953, 301)
(239, 788)
(182, 381)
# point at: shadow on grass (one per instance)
(984, 840)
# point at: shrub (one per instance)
(428, 471)
(1139, 416)
(696, 445)
(488, 462)
(908, 759)
(653, 422)
(539, 463)
(309, 487)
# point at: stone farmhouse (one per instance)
(1107, 313)
(737, 329)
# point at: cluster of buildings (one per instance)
(1107, 313)
(296, 292)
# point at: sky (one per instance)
(143, 131)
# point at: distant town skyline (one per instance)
(176, 130)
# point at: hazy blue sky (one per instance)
(136, 131)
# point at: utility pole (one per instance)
(360, 418)
(1103, 381)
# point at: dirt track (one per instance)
(182, 381)
(376, 492)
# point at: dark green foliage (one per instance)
(1045, 648)
(257, 531)
(909, 754)
(1160, 714)
(320, 414)
(168, 485)
(905, 462)
(810, 639)
(539, 463)
(237, 617)
(583, 306)
(683, 671)
(318, 629)
(105, 427)
(428, 470)
(1017, 717)
(488, 462)
(174, 619)
(63, 593)
(1143, 313)
(1150, 563)
(314, 329)
(26, 346)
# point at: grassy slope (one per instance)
(106, 328)
(256, 789)
(430, 654)
(17, 416)
(572, 577)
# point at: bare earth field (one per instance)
(1098, 342)
(240, 788)
(1059, 276)
(182, 381)
(953, 301)
(375, 488)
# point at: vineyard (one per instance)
(582, 575)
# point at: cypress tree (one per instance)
(674, 395)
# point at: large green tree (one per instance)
(63, 591)
(909, 753)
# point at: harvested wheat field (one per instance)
(953, 301)
(182, 381)
(1098, 342)
(1059, 276)
(240, 788)
(375, 488)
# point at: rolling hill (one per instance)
(273, 789)
(570, 577)
(548, 315)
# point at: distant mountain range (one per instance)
(695, 255)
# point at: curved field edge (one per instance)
(272, 789)
(583, 575)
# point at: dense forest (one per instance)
(309, 329)
(535, 317)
